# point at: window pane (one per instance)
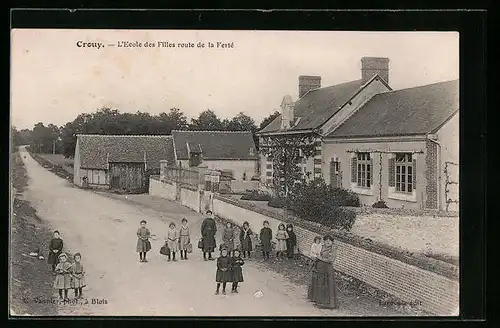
(398, 169)
(403, 187)
(368, 179)
(359, 155)
(403, 169)
(410, 187)
(403, 180)
(398, 178)
(410, 169)
(368, 156)
(398, 186)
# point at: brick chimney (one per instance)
(374, 65)
(307, 83)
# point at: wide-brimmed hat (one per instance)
(63, 255)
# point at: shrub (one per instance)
(316, 201)
(276, 202)
(256, 195)
(344, 197)
(380, 204)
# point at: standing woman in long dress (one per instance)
(322, 289)
(208, 230)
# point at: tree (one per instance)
(287, 151)
(241, 122)
(43, 137)
(173, 120)
(207, 120)
(265, 122)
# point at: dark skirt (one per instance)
(322, 289)
(143, 246)
(209, 243)
(246, 245)
(223, 276)
(266, 246)
(53, 258)
(237, 274)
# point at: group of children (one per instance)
(68, 275)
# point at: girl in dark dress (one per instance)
(266, 235)
(291, 242)
(246, 239)
(237, 272)
(143, 243)
(223, 274)
(322, 289)
(55, 248)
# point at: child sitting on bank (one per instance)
(237, 272)
(223, 274)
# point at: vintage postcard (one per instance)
(234, 173)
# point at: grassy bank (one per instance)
(31, 278)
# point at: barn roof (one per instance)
(97, 150)
(215, 145)
(412, 111)
(317, 106)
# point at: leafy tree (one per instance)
(265, 122)
(287, 151)
(44, 137)
(207, 120)
(241, 122)
(173, 120)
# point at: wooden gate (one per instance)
(127, 176)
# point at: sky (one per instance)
(53, 80)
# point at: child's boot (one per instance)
(173, 257)
(224, 289)
(217, 290)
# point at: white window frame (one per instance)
(395, 195)
(368, 191)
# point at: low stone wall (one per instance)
(437, 293)
(191, 198)
(162, 189)
(238, 186)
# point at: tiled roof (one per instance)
(412, 111)
(317, 106)
(96, 150)
(215, 145)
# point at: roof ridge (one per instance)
(124, 135)
(212, 131)
(334, 85)
(422, 86)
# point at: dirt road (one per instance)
(103, 230)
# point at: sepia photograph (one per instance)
(234, 173)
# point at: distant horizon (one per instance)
(53, 80)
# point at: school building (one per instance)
(399, 146)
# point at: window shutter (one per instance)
(414, 174)
(354, 169)
(371, 171)
(392, 167)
